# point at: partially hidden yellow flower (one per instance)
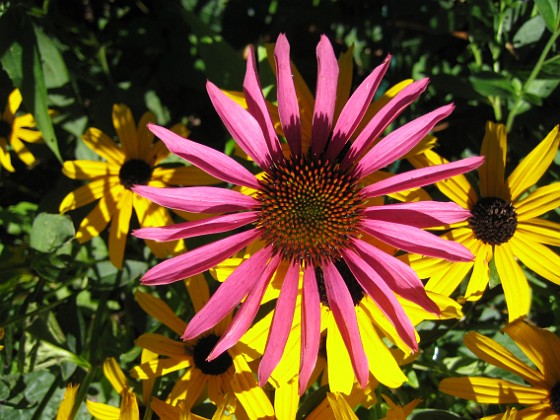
(505, 225)
(14, 130)
(541, 393)
(65, 408)
(128, 409)
(228, 380)
(399, 412)
(136, 161)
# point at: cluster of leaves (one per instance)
(65, 308)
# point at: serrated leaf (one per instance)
(550, 12)
(50, 231)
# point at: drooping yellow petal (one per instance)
(129, 406)
(97, 219)
(102, 411)
(89, 169)
(341, 373)
(286, 399)
(126, 131)
(14, 101)
(178, 412)
(158, 309)
(534, 165)
(449, 308)
(145, 138)
(88, 193)
(540, 201)
(516, 288)
(340, 407)
(114, 374)
(539, 258)
(496, 354)
(5, 159)
(22, 151)
(492, 391)
(65, 408)
(26, 134)
(397, 412)
(159, 367)
(188, 387)
(164, 346)
(492, 172)
(118, 232)
(184, 176)
(540, 230)
(102, 144)
(148, 384)
(481, 272)
(542, 347)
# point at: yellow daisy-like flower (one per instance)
(542, 394)
(14, 130)
(228, 379)
(505, 223)
(129, 405)
(65, 408)
(135, 162)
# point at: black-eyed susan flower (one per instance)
(309, 212)
(128, 409)
(227, 380)
(14, 131)
(540, 393)
(506, 223)
(135, 162)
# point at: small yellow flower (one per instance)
(14, 130)
(129, 405)
(399, 412)
(136, 161)
(541, 395)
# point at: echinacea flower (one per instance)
(14, 130)
(505, 224)
(129, 405)
(227, 378)
(309, 211)
(135, 162)
(541, 393)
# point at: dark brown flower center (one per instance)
(493, 220)
(352, 284)
(202, 349)
(5, 129)
(555, 397)
(310, 208)
(135, 172)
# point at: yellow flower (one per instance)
(505, 225)
(228, 379)
(542, 394)
(129, 405)
(136, 161)
(65, 409)
(399, 412)
(14, 130)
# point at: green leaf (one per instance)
(550, 11)
(19, 56)
(54, 67)
(492, 84)
(50, 231)
(530, 32)
(494, 276)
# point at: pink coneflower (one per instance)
(309, 212)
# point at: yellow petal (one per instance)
(65, 409)
(145, 137)
(163, 346)
(397, 412)
(88, 169)
(126, 131)
(497, 355)
(102, 411)
(540, 230)
(5, 159)
(481, 272)
(102, 144)
(286, 399)
(340, 407)
(114, 374)
(159, 367)
(492, 172)
(534, 165)
(345, 68)
(198, 291)
(449, 308)
(341, 373)
(148, 384)
(14, 101)
(188, 388)
(26, 134)
(22, 151)
(492, 391)
(97, 219)
(539, 258)
(184, 176)
(159, 310)
(129, 406)
(540, 201)
(88, 193)
(118, 232)
(516, 288)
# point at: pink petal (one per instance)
(281, 324)
(423, 176)
(422, 214)
(342, 307)
(216, 224)
(241, 125)
(197, 199)
(383, 118)
(229, 294)
(325, 98)
(209, 160)
(399, 142)
(378, 290)
(256, 105)
(310, 327)
(398, 276)
(288, 108)
(246, 314)
(416, 240)
(354, 110)
(198, 260)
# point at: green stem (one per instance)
(532, 77)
